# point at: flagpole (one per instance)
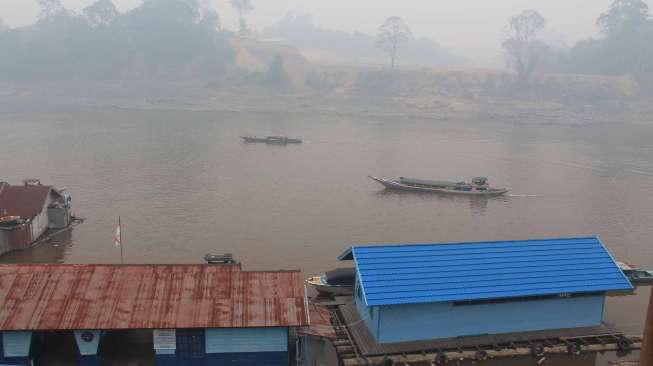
(122, 258)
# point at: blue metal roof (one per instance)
(419, 273)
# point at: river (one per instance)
(185, 185)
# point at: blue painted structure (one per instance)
(429, 291)
(16, 348)
(227, 346)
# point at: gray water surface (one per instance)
(185, 185)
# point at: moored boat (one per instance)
(226, 258)
(636, 275)
(10, 221)
(478, 187)
(278, 140)
(339, 282)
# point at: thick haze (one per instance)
(473, 28)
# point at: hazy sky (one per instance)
(473, 28)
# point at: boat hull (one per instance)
(271, 141)
(393, 184)
(329, 290)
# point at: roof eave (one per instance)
(347, 255)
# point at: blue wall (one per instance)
(370, 315)
(235, 340)
(16, 348)
(233, 346)
(398, 323)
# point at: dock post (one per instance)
(646, 354)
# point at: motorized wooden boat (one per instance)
(226, 258)
(478, 187)
(8, 221)
(636, 275)
(339, 282)
(274, 140)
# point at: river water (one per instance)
(185, 185)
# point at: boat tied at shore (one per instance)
(635, 274)
(477, 187)
(338, 282)
(272, 140)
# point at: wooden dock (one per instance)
(355, 345)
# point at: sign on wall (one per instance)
(87, 341)
(165, 339)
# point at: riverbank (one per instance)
(568, 100)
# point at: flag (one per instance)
(117, 238)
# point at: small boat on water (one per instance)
(478, 187)
(10, 221)
(226, 258)
(339, 282)
(636, 275)
(274, 140)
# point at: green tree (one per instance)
(158, 39)
(276, 75)
(243, 7)
(101, 12)
(624, 16)
(523, 48)
(392, 33)
(50, 8)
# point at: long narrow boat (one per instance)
(275, 140)
(636, 275)
(478, 187)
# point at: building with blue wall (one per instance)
(195, 314)
(430, 291)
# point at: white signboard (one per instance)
(165, 339)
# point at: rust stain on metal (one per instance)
(49, 297)
(320, 323)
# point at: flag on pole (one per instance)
(117, 238)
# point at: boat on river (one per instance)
(10, 221)
(338, 282)
(636, 275)
(226, 258)
(273, 140)
(478, 187)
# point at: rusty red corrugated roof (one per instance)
(51, 297)
(24, 201)
(320, 326)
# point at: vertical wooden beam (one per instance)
(646, 354)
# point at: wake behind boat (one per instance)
(478, 187)
(273, 140)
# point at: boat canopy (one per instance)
(341, 276)
(435, 183)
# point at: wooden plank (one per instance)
(430, 357)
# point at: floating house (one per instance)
(419, 292)
(27, 211)
(196, 314)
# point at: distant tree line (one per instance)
(394, 39)
(625, 45)
(160, 38)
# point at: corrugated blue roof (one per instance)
(419, 273)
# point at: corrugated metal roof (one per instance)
(320, 323)
(419, 273)
(49, 297)
(24, 201)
